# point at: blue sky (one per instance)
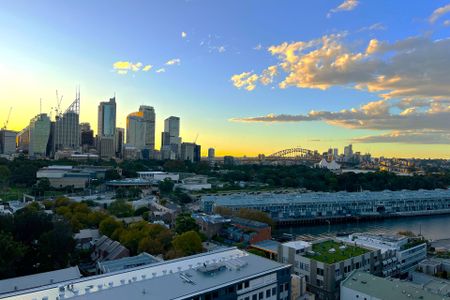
(49, 45)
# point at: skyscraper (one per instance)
(211, 154)
(141, 129)
(171, 142)
(148, 115)
(106, 129)
(39, 131)
(67, 128)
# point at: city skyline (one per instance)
(315, 75)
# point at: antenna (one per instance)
(5, 125)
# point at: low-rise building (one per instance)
(86, 237)
(157, 176)
(194, 183)
(362, 285)
(325, 263)
(210, 225)
(400, 254)
(226, 274)
(108, 249)
(64, 176)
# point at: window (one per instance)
(268, 293)
(281, 288)
(255, 297)
(286, 286)
(320, 271)
(261, 296)
(274, 291)
(239, 286)
(247, 298)
(246, 284)
(215, 294)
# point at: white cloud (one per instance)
(447, 23)
(347, 5)
(373, 27)
(174, 61)
(147, 68)
(183, 35)
(257, 47)
(439, 12)
(123, 67)
(160, 70)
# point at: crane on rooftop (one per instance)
(5, 125)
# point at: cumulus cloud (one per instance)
(161, 70)
(174, 61)
(123, 67)
(439, 12)
(407, 137)
(413, 67)
(246, 80)
(183, 35)
(347, 5)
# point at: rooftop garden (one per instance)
(413, 242)
(323, 252)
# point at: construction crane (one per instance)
(5, 125)
(195, 141)
(58, 104)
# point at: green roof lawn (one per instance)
(322, 254)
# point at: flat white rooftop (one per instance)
(174, 279)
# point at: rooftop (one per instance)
(382, 288)
(330, 251)
(297, 245)
(174, 279)
(267, 245)
(38, 280)
(127, 263)
(293, 198)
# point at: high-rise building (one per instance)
(67, 128)
(39, 131)
(197, 153)
(135, 130)
(106, 129)
(188, 151)
(171, 142)
(87, 136)
(348, 151)
(23, 140)
(7, 141)
(119, 141)
(211, 154)
(148, 115)
(141, 129)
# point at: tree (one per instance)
(112, 174)
(109, 225)
(188, 243)
(11, 253)
(254, 215)
(5, 174)
(166, 186)
(185, 222)
(121, 193)
(121, 208)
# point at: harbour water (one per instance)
(431, 227)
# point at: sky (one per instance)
(245, 77)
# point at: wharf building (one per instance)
(107, 128)
(227, 274)
(314, 207)
(325, 263)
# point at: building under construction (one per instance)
(67, 128)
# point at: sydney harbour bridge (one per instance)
(295, 154)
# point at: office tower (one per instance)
(197, 153)
(67, 128)
(7, 141)
(335, 152)
(106, 129)
(119, 141)
(211, 154)
(39, 131)
(141, 129)
(135, 130)
(171, 138)
(348, 152)
(188, 151)
(148, 115)
(23, 140)
(87, 136)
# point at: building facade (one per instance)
(106, 129)
(67, 128)
(7, 142)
